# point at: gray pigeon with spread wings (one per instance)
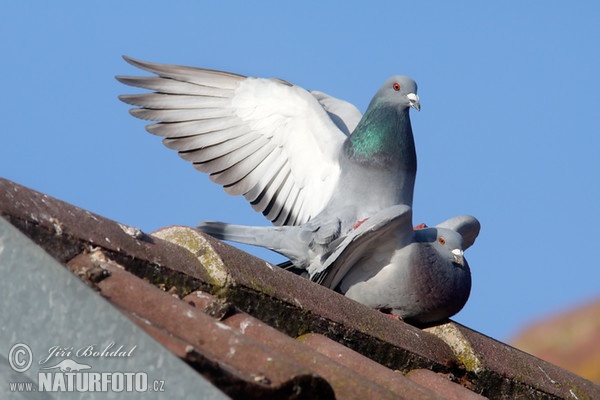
(293, 154)
(417, 274)
(343, 180)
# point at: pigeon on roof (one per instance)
(417, 274)
(338, 185)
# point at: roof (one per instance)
(249, 329)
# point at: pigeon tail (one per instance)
(281, 239)
(223, 231)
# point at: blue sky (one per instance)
(508, 130)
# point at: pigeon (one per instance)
(337, 185)
(293, 154)
(419, 275)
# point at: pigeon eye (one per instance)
(442, 241)
(396, 86)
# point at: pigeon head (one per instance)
(440, 277)
(399, 91)
(447, 243)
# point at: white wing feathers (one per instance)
(266, 139)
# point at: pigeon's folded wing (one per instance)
(349, 249)
(266, 139)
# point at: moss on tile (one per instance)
(459, 345)
(194, 242)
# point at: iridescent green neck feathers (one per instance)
(383, 135)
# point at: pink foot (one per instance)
(388, 312)
(394, 316)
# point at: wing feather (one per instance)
(259, 174)
(169, 101)
(222, 154)
(189, 128)
(285, 214)
(284, 197)
(249, 158)
(271, 179)
(273, 142)
(179, 115)
(202, 140)
(172, 86)
(273, 194)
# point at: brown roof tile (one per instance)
(238, 364)
(508, 369)
(394, 381)
(257, 331)
(442, 384)
(346, 383)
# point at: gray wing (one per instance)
(347, 250)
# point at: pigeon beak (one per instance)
(414, 101)
(459, 257)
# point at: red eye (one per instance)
(442, 241)
(396, 86)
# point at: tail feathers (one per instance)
(281, 239)
(234, 233)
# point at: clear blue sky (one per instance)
(509, 128)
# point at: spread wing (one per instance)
(266, 139)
